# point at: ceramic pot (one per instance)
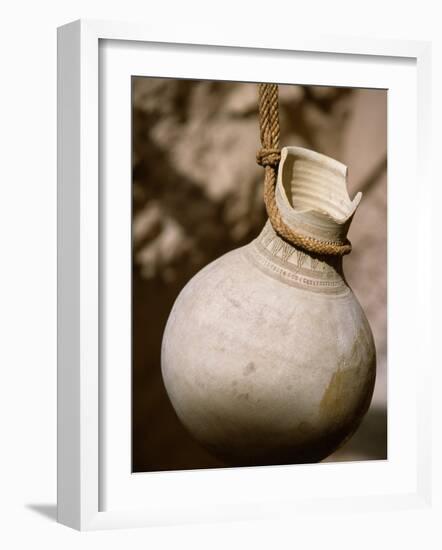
(267, 355)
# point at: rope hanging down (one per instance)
(269, 157)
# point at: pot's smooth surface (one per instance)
(267, 355)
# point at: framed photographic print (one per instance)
(231, 227)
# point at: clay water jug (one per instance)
(267, 355)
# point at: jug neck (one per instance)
(282, 261)
(312, 199)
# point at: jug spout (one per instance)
(312, 196)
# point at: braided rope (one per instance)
(269, 156)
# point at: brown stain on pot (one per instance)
(350, 377)
(333, 403)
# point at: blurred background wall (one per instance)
(197, 193)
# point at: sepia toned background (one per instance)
(197, 193)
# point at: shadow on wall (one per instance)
(48, 511)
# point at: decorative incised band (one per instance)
(272, 258)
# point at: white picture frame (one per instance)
(96, 488)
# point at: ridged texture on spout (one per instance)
(312, 194)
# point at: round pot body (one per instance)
(267, 355)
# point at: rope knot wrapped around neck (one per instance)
(268, 157)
